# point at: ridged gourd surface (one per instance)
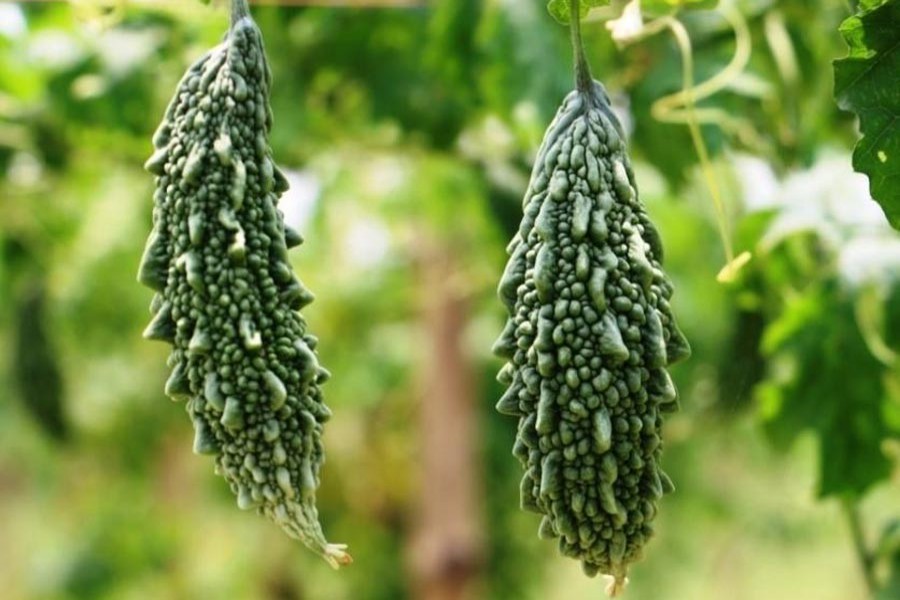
(588, 339)
(227, 297)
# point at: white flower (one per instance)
(629, 26)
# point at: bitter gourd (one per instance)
(36, 365)
(227, 297)
(589, 335)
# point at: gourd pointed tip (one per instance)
(337, 556)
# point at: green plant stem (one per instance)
(866, 560)
(722, 79)
(583, 78)
(239, 10)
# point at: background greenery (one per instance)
(408, 134)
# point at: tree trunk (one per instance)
(447, 546)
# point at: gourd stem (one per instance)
(583, 78)
(239, 10)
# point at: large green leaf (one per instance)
(829, 350)
(867, 83)
(828, 382)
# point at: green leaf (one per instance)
(658, 6)
(867, 84)
(823, 374)
(817, 343)
(562, 9)
(864, 5)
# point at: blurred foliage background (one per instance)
(407, 133)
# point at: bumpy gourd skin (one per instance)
(588, 340)
(227, 297)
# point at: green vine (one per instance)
(681, 107)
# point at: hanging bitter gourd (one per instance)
(227, 298)
(35, 363)
(588, 339)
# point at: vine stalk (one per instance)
(866, 559)
(583, 78)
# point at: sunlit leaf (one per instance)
(656, 6)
